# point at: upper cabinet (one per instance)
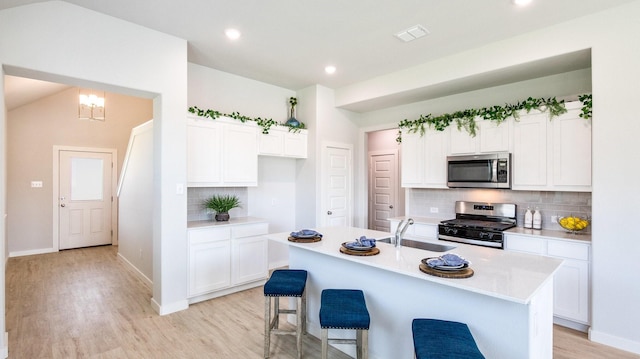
(490, 137)
(221, 153)
(552, 155)
(281, 142)
(424, 159)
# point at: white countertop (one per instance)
(232, 221)
(549, 233)
(511, 276)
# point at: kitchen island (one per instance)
(507, 303)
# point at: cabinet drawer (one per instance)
(568, 250)
(208, 234)
(248, 230)
(525, 244)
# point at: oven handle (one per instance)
(494, 171)
(499, 245)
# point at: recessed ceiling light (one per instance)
(521, 2)
(232, 34)
(330, 69)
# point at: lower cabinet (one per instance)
(571, 283)
(226, 259)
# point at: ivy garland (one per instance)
(265, 123)
(466, 119)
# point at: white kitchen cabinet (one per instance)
(221, 153)
(424, 159)
(552, 155)
(490, 137)
(281, 142)
(209, 260)
(572, 280)
(226, 258)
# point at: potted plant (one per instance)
(221, 204)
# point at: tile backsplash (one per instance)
(197, 195)
(422, 201)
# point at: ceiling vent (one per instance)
(412, 33)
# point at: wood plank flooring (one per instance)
(84, 303)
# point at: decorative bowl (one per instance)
(573, 224)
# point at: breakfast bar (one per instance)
(507, 302)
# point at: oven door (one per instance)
(479, 171)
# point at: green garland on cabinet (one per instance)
(466, 119)
(265, 123)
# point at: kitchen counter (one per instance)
(231, 221)
(507, 303)
(562, 234)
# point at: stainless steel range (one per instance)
(479, 223)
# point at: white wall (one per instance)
(60, 42)
(135, 203)
(612, 37)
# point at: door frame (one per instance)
(396, 190)
(324, 185)
(55, 245)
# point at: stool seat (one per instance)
(286, 283)
(440, 339)
(343, 309)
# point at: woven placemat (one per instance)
(305, 240)
(462, 273)
(372, 252)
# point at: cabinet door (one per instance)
(462, 142)
(571, 291)
(209, 266)
(240, 155)
(572, 152)
(271, 144)
(530, 152)
(249, 259)
(494, 137)
(526, 244)
(295, 144)
(412, 160)
(203, 153)
(435, 152)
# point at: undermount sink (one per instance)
(427, 246)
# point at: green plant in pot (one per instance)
(222, 204)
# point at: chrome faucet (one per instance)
(402, 227)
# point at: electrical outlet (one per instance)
(554, 219)
(434, 210)
(36, 184)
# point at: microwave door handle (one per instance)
(494, 171)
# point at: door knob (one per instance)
(390, 206)
(329, 212)
(63, 205)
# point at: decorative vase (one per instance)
(292, 122)
(221, 217)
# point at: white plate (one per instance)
(304, 235)
(355, 247)
(445, 268)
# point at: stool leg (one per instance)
(304, 311)
(365, 343)
(325, 342)
(276, 312)
(299, 326)
(267, 325)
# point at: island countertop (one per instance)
(506, 275)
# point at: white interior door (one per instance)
(337, 188)
(85, 199)
(382, 190)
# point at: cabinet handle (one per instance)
(329, 212)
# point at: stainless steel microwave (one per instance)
(479, 171)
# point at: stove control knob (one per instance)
(449, 230)
(486, 235)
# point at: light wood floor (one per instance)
(84, 303)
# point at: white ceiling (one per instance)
(289, 42)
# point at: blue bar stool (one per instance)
(344, 309)
(285, 283)
(437, 339)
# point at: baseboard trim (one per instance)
(220, 293)
(571, 324)
(4, 351)
(614, 341)
(169, 308)
(280, 264)
(32, 252)
(133, 269)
